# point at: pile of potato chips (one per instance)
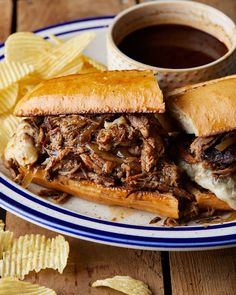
(18, 257)
(29, 253)
(29, 59)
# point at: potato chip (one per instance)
(26, 47)
(27, 84)
(8, 125)
(12, 286)
(11, 72)
(55, 39)
(94, 63)
(49, 65)
(34, 252)
(6, 239)
(2, 225)
(124, 284)
(87, 68)
(8, 97)
(72, 68)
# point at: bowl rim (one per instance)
(120, 15)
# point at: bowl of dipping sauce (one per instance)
(185, 42)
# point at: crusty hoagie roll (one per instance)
(102, 92)
(208, 200)
(75, 133)
(207, 112)
(164, 204)
(205, 108)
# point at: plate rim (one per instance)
(154, 243)
(44, 202)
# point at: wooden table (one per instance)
(177, 273)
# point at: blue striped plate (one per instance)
(103, 224)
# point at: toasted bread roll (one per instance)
(155, 202)
(103, 92)
(208, 200)
(224, 188)
(206, 108)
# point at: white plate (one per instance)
(98, 223)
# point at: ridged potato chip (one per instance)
(6, 240)
(72, 68)
(11, 72)
(49, 65)
(34, 252)
(2, 224)
(8, 125)
(87, 68)
(91, 66)
(55, 39)
(12, 286)
(97, 65)
(124, 284)
(27, 84)
(8, 97)
(26, 47)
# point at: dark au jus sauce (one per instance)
(172, 46)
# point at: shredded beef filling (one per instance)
(217, 153)
(112, 150)
(56, 196)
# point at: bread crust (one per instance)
(155, 202)
(103, 92)
(205, 108)
(208, 200)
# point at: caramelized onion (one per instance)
(226, 143)
(86, 134)
(28, 177)
(123, 156)
(104, 155)
(124, 153)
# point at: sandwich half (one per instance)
(97, 136)
(207, 112)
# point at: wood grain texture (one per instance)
(208, 272)
(89, 262)
(227, 6)
(2, 214)
(5, 19)
(33, 14)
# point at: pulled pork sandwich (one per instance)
(207, 112)
(97, 136)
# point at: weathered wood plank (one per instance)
(208, 272)
(33, 14)
(89, 262)
(2, 214)
(5, 19)
(227, 6)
